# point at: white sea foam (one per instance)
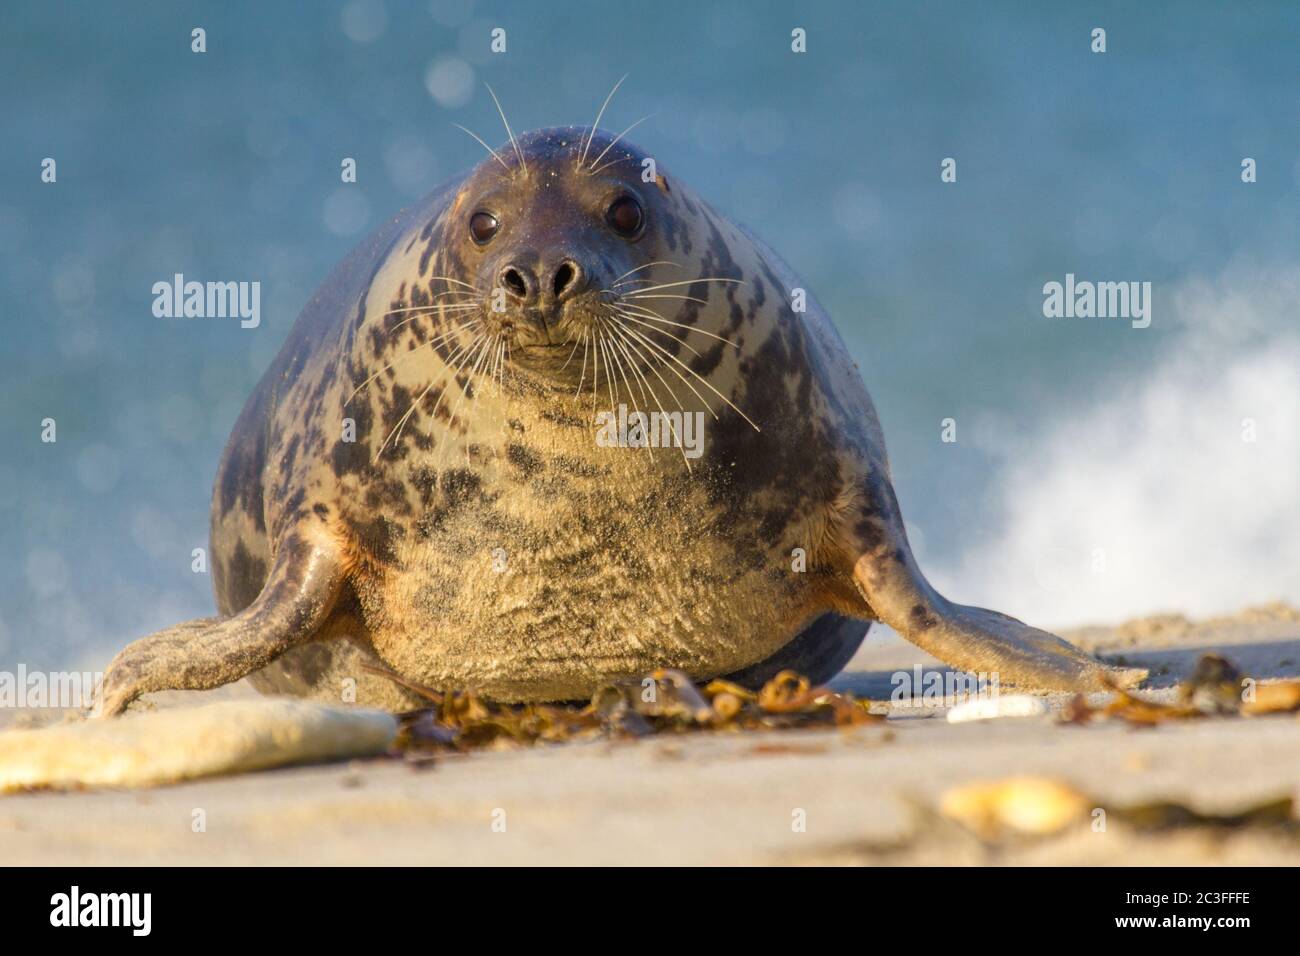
(1151, 497)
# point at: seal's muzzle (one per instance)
(535, 305)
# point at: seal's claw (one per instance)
(113, 704)
(122, 684)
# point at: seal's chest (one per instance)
(538, 588)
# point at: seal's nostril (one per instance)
(568, 279)
(563, 277)
(513, 281)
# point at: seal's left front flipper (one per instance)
(969, 638)
(304, 582)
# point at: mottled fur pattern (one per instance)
(484, 540)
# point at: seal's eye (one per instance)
(625, 216)
(483, 226)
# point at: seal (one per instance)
(419, 482)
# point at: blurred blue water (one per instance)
(225, 165)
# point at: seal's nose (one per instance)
(564, 280)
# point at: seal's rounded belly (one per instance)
(579, 582)
(560, 423)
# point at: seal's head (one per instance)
(547, 228)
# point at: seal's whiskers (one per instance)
(617, 342)
(583, 158)
(627, 308)
(511, 133)
(667, 295)
(477, 354)
(628, 316)
(467, 353)
(459, 310)
(670, 285)
(467, 285)
(703, 381)
(449, 306)
(397, 429)
(465, 389)
(658, 262)
(618, 363)
(626, 343)
(583, 377)
(594, 169)
(432, 343)
(495, 154)
(609, 378)
(500, 372)
(576, 343)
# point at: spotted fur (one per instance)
(481, 537)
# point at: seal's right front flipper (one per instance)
(299, 594)
(968, 638)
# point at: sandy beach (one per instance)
(866, 796)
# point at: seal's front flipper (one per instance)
(968, 638)
(305, 579)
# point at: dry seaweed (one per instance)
(665, 701)
(1127, 707)
(1276, 813)
(1213, 689)
(1280, 697)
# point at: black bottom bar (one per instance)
(900, 905)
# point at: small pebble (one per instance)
(992, 708)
